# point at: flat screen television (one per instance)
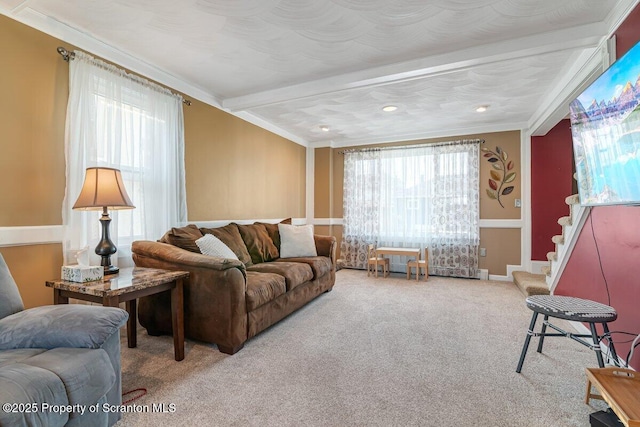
(605, 127)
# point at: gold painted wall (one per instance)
(30, 267)
(33, 100)
(235, 170)
(323, 183)
(503, 248)
(502, 244)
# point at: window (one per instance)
(415, 196)
(123, 121)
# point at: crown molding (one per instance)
(260, 122)
(445, 133)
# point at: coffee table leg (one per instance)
(132, 323)
(177, 319)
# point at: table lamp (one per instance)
(102, 189)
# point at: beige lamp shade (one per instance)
(103, 187)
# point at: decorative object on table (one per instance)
(82, 273)
(103, 188)
(501, 173)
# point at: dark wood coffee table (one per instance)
(127, 286)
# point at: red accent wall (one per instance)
(616, 230)
(617, 233)
(551, 181)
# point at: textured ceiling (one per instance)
(294, 65)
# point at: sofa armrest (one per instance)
(165, 252)
(214, 294)
(65, 325)
(326, 246)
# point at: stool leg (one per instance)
(596, 343)
(612, 348)
(526, 341)
(544, 329)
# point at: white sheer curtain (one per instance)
(361, 206)
(416, 196)
(119, 120)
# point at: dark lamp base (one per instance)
(108, 270)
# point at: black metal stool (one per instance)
(570, 308)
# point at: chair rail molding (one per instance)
(30, 235)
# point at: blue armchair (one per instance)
(59, 364)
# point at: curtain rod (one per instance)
(68, 56)
(427, 144)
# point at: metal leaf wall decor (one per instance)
(501, 173)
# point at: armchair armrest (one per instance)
(65, 325)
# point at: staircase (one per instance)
(542, 284)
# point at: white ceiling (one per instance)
(294, 65)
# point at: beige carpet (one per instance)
(373, 352)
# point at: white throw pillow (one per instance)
(212, 246)
(296, 241)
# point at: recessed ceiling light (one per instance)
(389, 108)
(482, 108)
(324, 128)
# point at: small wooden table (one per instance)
(411, 252)
(620, 388)
(127, 286)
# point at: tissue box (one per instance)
(85, 273)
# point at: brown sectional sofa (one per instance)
(227, 301)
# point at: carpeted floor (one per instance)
(373, 352)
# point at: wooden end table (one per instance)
(127, 286)
(620, 388)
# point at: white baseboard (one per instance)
(500, 278)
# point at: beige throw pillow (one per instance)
(296, 241)
(212, 246)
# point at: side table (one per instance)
(127, 286)
(620, 388)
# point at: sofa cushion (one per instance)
(297, 241)
(18, 355)
(87, 374)
(183, 237)
(273, 231)
(258, 243)
(31, 384)
(231, 237)
(320, 265)
(262, 288)
(294, 273)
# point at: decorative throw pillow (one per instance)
(183, 237)
(272, 229)
(258, 243)
(230, 236)
(212, 246)
(296, 241)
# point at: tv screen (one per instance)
(605, 126)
